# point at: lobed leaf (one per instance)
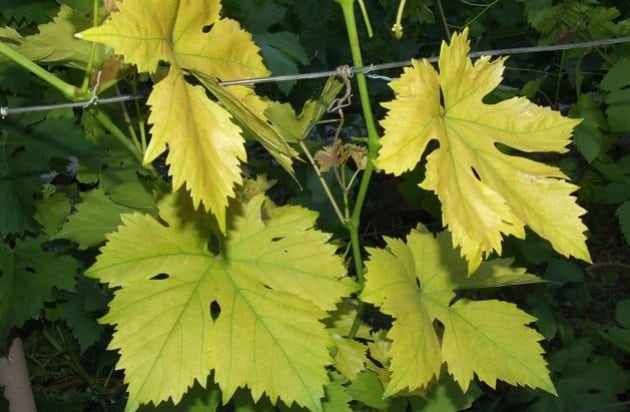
(415, 282)
(251, 312)
(486, 190)
(205, 146)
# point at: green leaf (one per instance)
(282, 51)
(414, 282)
(33, 11)
(51, 212)
(622, 313)
(81, 309)
(618, 97)
(562, 271)
(273, 281)
(367, 388)
(25, 157)
(588, 136)
(473, 166)
(447, 396)
(28, 276)
(337, 397)
(95, 217)
(623, 214)
(55, 43)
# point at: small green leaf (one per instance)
(95, 217)
(51, 212)
(367, 388)
(29, 275)
(623, 214)
(563, 271)
(622, 313)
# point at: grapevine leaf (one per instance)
(486, 193)
(25, 155)
(337, 397)
(51, 212)
(415, 282)
(415, 350)
(367, 388)
(623, 214)
(205, 146)
(249, 111)
(28, 276)
(95, 217)
(156, 39)
(250, 312)
(350, 357)
(55, 42)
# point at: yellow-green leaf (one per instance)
(205, 146)
(486, 190)
(146, 32)
(489, 338)
(392, 285)
(251, 312)
(415, 282)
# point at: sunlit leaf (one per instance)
(250, 313)
(487, 190)
(415, 282)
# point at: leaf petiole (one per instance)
(67, 89)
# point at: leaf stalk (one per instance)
(67, 89)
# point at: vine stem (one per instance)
(347, 7)
(322, 181)
(116, 132)
(67, 89)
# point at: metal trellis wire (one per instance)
(369, 71)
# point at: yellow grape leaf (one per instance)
(250, 312)
(248, 109)
(350, 356)
(415, 282)
(205, 146)
(486, 193)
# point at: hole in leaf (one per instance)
(214, 245)
(29, 269)
(439, 328)
(418, 283)
(475, 173)
(17, 151)
(277, 239)
(215, 309)
(206, 29)
(441, 98)
(161, 276)
(267, 287)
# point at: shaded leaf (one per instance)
(28, 276)
(95, 217)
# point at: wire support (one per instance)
(367, 70)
